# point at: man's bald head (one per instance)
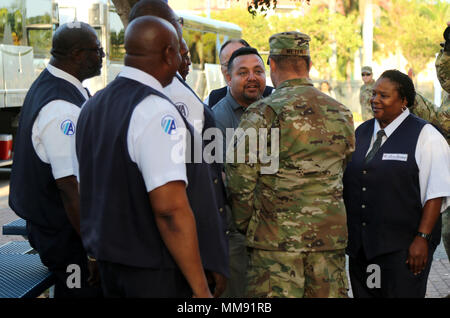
(71, 36)
(157, 8)
(77, 50)
(152, 45)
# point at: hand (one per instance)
(418, 255)
(94, 274)
(218, 281)
(203, 294)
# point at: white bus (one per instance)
(26, 30)
(203, 36)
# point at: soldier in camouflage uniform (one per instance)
(443, 73)
(425, 109)
(294, 218)
(365, 93)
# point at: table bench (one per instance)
(17, 247)
(23, 276)
(16, 227)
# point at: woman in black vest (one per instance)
(395, 187)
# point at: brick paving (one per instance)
(438, 281)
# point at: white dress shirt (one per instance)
(188, 104)
(53, 131)
(432, 156)
(156, 137)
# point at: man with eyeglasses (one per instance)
(43, 183)
(365, 93)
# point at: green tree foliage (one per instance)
(316, 23)
(117, 51)
(255, 30)
(414, 27)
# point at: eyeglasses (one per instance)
(180, 20)
(366, 74)
(99, 50)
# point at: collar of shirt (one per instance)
(296, 82)
(67, 77)
(141, 77)
(389, 129)
(233, 103)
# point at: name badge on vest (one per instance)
(395, 156)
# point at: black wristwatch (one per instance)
(425, 236)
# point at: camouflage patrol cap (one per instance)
(366, 69)
(289, 43)
(443, 70)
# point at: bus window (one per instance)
(11, 23)
(202, 47)
(98, 30)
(117, 32)
(27, 22)
(39, 12)
(195, 44)
(209, 47)
(39, 24)
(40, 40)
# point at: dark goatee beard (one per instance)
(251, 99)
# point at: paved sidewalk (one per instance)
(438, 285)
(438, 281)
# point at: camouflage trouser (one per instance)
(446, 230)
(297, 275)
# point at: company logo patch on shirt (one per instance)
(68, 127)
(395, 156)
(169, 125)
(183, 109)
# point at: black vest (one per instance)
(216, 168)
(382, 198)
(33, 193)
(117, 221)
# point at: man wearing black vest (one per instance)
(195, 112)
(138, 189)
(44, 187)
(226, 50)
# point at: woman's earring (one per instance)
(404, 108)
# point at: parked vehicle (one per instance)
(203, 36)
(26, 30)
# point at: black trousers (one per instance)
(58, 249)
(133, 282)
(396, 279)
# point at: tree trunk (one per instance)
(123, 8)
